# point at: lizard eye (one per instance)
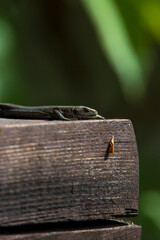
(75, 111)
(85, 110)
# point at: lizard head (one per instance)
(82, 112)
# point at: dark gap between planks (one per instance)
(62, 226)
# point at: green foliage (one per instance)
(116, 46)
(150, 200)
(150, 12)
(6, 48)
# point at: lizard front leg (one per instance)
(57, 115)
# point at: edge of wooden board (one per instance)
(54, 171)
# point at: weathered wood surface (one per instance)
(128, 232)
(53, 171)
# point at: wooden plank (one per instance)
(127, 232)
(54, 171)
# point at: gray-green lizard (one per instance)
(8, 110)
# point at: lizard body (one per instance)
(8, 110)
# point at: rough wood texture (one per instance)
(109, 233)
(52, 171)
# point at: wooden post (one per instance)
(57, 172)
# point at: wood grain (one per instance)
(127, 232)
(56, 171)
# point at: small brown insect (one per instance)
(111, 145)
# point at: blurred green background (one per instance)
(101, 53)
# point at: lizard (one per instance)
(8, 110)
